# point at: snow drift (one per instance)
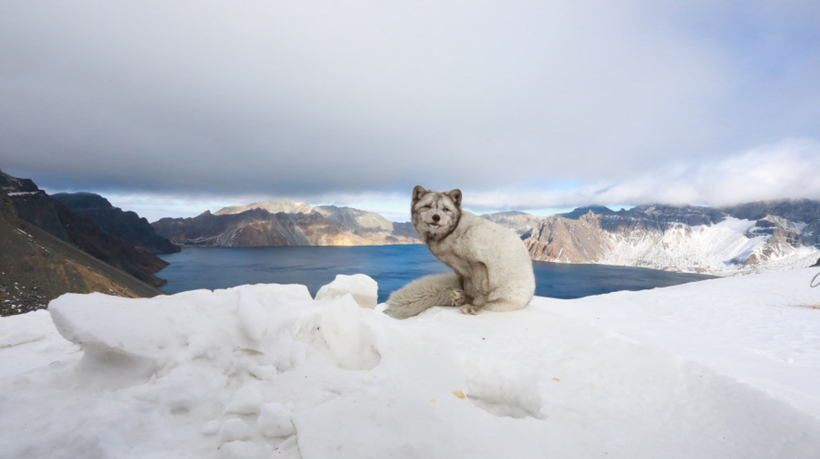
(712, 369)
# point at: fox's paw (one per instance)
(456, 298)
(470, 309)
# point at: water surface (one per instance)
(392, 266)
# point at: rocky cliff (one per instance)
(35, 207)
(125, 225)
(749, 237)
(256, 226)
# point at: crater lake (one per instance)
(392, 266)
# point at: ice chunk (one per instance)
(363, 288)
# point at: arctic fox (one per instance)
(492, 267)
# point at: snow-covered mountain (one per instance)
(746, 238)
(722, 368)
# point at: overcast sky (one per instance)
(173, 107)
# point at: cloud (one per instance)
(345, 101)
(786, 170)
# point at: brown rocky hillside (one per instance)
(36, 267)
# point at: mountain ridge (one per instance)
(684, 238)
(37, 208)
(255, 225)
(126, 225)
(37, 266)
(713, 240)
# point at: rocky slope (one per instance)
(34, 206)
(749, 237)
(369, 226)
(36, 266)
(125, 225)
(256, 226)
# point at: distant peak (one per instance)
(581, 211)
(273, 206)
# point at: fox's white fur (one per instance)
(492, 267)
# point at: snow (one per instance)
(714, 249)
(23, 193)
(728, 367)
(363, 288)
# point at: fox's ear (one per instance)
(455, 195)
(418, 192)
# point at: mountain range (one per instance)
(283, 223)
(79, 242)
(716, 240)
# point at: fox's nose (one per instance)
(436, 218)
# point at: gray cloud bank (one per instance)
(628, 100)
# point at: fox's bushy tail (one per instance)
(421, 294)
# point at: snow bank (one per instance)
(720, 368)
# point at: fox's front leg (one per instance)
(480, 287)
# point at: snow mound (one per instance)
(720, 368)
(363, 289)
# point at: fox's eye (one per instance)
(446, 209)
(426, 206)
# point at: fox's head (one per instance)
(435, 214)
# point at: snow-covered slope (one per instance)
(728, 247)
(721, 368)
(677, 239)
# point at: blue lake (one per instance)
(392, 266)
